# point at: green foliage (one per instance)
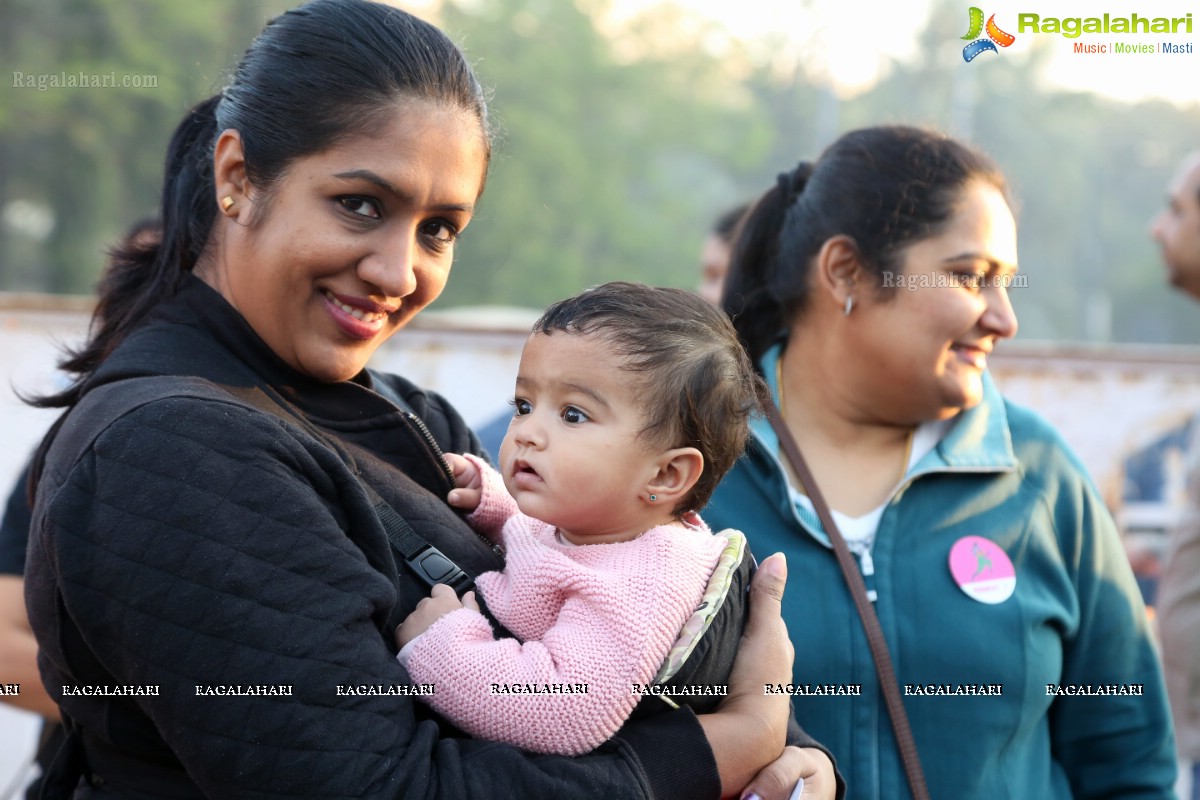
(617, 145)
(605, 167)
(92, 156)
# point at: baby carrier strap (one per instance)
(83, 756)
(697, 667)
(111, 401)
(701, 620)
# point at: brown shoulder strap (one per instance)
(858, 590)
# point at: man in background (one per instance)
(1177, 232)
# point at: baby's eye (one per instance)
(522, 407)
(573, 415)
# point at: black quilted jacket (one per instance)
(200, 545)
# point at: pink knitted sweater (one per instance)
(593, 620)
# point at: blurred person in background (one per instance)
(869, 287)
(1177, 231)
(18, 647)
(715, 252)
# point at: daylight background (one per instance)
(626, 125)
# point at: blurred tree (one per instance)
(609, 148)
(619, 141)
(82, 163)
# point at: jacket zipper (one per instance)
(436, 449)
(432, 444)
(866, 565)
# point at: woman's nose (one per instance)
(999, 318)
(391, 267)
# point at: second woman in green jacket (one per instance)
(870, 288)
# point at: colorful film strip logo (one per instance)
(995, 36)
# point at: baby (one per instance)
(631, 403)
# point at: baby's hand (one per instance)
(441, 601)
(469, 483)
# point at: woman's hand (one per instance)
(781, 777)
(749, 729)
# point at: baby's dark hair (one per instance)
(697, 386)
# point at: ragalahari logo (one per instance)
(995, 36)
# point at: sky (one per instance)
(852, 40)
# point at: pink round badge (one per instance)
(982, 569)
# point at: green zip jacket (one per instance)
(1055, 692)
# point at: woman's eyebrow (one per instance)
(392, 189)
(992, 263)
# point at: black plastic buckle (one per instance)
(433, 567)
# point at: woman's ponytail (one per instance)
(757, 295)
(149, 263)
(884, 188)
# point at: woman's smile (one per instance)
(359, 318)
(353, 242)
(972, 355)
